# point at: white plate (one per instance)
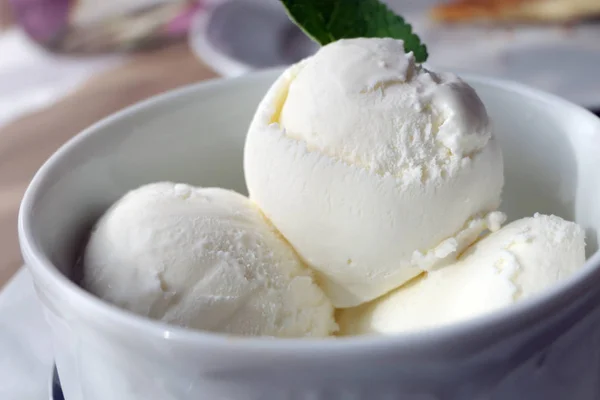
(553, 58)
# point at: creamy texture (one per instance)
(520, 260)
(205, 259)
(367, 163)
(367, 103)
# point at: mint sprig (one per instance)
(326, 21)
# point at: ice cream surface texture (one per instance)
(205, 259)
(373, 168)
(520, 260)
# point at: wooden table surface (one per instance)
(27, 142)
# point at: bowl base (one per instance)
(55, 388)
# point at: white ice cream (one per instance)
(205, 259)
(374, 168)
(520, 260)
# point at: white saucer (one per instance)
(26, 352)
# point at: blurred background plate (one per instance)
(237, 36)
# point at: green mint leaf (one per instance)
(326, 21)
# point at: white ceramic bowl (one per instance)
(547, 347)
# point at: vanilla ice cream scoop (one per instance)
(205, 259)
(372, 167)
(520, 260)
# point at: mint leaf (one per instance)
(326, 21)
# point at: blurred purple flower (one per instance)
(129, 25)
(181, 23)
(44, 20)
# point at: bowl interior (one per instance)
(196, 135)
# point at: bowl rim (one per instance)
(413, 342)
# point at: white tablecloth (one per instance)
(32, 78)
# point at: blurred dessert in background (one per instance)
(539, 11)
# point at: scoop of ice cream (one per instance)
(205, 259)
(520, 260)
(373, 168)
